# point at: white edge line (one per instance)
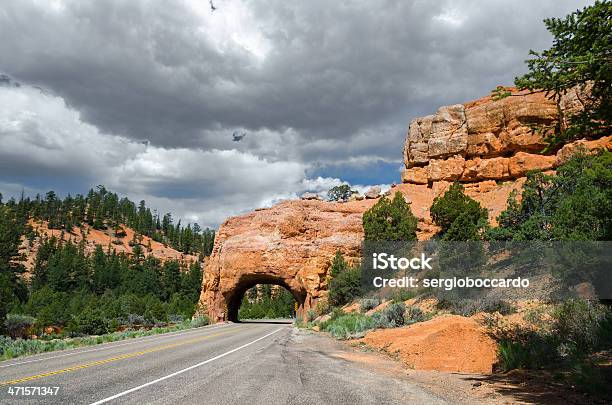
(102, 401)
(110, 345)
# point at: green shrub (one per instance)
(578, 326)
(337, 313)
(469, 307)
(91, 321)
(390, 220)
(19, 325)
(345, 287)
(113, 325)
(391, 316)
(403, 294)
(155, 312)
(311, 315)
(523, 348)
(414, 315)
(174, 319)
(199, 321)
(181, 305)
(367, 304)
(459, 216)
(322, 307)
(395, 313)
(579, 329)
(49, 307)
(135, 320)
(513, 355)
(348, 326)
(380, 321)
(10, 348)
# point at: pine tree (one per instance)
(192, 281)
(171, 278)
(338, 265)
(390, 220)
(10, 231)
(460, 217)
(581, 55)
(40, 273)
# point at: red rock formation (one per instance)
(290, 244)
(449, 343)
(486, 144)
(486, 140)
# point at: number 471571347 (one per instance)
(33, 391)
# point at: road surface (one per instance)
(243, 363)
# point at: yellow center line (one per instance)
(116, 358)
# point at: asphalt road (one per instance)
(246, 363)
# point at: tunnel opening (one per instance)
(263, 297)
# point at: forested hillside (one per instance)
(102, 209)
(77, 289)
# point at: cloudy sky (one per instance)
(145, 96)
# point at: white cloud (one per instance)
(320, 87)
(41, 136)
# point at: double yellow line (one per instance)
(116, 358)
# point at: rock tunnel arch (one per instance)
(290, 244)
(234, 296)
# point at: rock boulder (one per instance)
(486, 139)
(373, 192)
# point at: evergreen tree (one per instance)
(339, 193)
(102, 278)
(574, 204)
(458, 216)
(581, 55)
(192, 281)
(11, 288)
(390, 220)
(338, 265)
(72, 288)
(345, 287)
(171, 278)
(40, 273)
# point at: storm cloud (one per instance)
(144, 96)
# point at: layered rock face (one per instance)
(484, 140)
(290, 244)
(487, 144)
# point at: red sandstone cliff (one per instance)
(488, 145)
(485, 140)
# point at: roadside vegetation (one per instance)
(344, 283)
(261, 302)
(353, 325)
(12, 348)
(390, 220)
(72, 293)
(571, 338)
